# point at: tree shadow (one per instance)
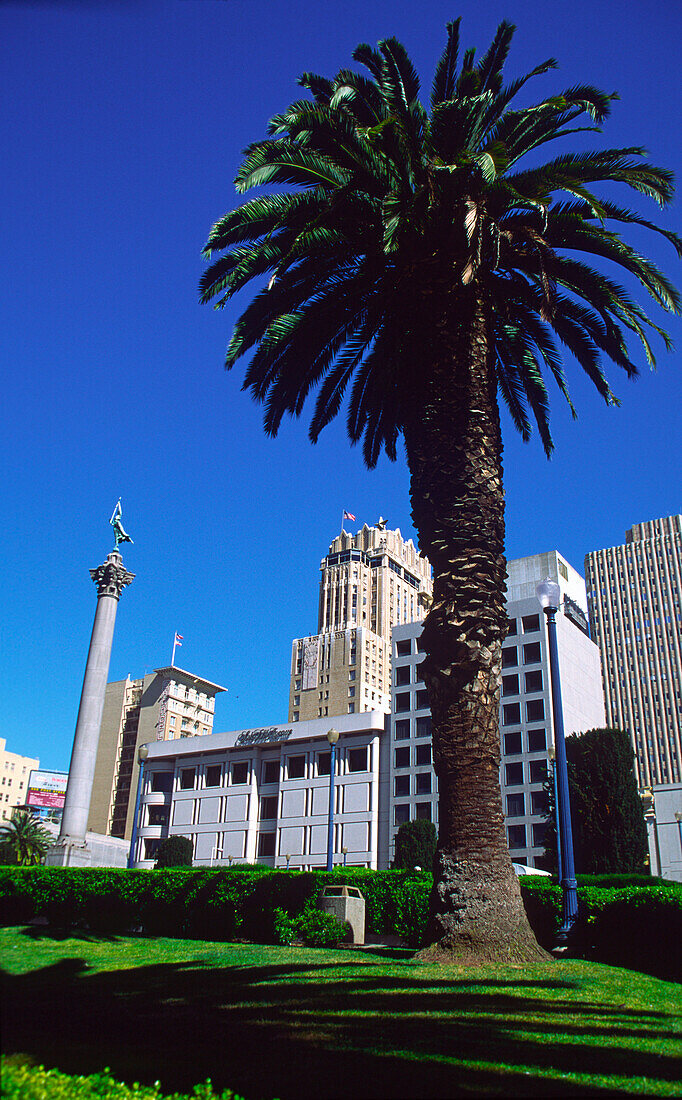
(305, 1030)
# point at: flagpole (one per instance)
(175, 642)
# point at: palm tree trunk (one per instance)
(454, 452)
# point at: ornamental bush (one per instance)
(174, 851)
(24, 1082)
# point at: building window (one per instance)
(158, 815)
(512, 744)
(511, 631)
(538, 771)
(531, 623)
(357, 759)
(539, 831)
(270, 771)
(240, 771)
(513, 774)
(535, 710)
(402, 701)
(516, 806)
(537, 740)
(401, 813)
(187, 779)
(351, 708)
(162, 782)
(423, 784)
(266, 844)
(401, 786)
(401, 729)
(510, 685)
(297, 700)
(268, 808)
(511, 714)
(214, 775)
(423, 811)
(422, 699)
(324, 761)
(538, 802)
(510, 656)
(295, 767)
(403, 648)
(534, 680)
(516, 836)
(402, 675)
(402, 758)
(424, 726)
(422, 754)
(532, 654)
(151, 847)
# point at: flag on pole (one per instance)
(349, 515)
(178, 639)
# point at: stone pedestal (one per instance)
(71, 849)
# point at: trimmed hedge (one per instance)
(636, 924)
(24, 1082)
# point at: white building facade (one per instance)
(262, 795)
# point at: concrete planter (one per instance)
(346, 903)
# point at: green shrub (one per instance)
(318, 929)
(415, 845)
(25, 1082)
(174, 851)
(413, 910)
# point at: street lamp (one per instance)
(332, 737)
(549, 595)
(345, 852)
(552, 759)
(649, 808)
(142, 754)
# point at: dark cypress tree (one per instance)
(609, 834)
(415, 845)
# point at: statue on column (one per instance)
(115, 521)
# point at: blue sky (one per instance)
(121, 128)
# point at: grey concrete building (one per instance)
(634, 594)
(525, 708)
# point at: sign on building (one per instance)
(46, 790)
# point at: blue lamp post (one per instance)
(549, 595)
(142, 754)
(332, 737)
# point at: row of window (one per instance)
(516, 804)
(535, 712)
(295, 767)
(536, 740)
(529, 624)
(403, 783)
(403, 812)
(402, 756)
(403, 700)
(517, 835)
(514, 773)
(532, 682)
(531, 653)
(402, 727)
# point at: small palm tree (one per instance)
(26, 838)
(410, 261)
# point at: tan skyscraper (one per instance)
(161, 706)
(634, 593)
(369, 582)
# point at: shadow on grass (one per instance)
(296, 1031)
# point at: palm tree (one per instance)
(407, 257)
(26, 838)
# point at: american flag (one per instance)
(349, 515)
(178, 639)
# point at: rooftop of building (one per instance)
(175, 673)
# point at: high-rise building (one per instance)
(634, 593)
(370, 582)
(526, 732)
(14, 775)
(163, 705)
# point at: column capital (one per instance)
(111, 576)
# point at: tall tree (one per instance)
(609, 833)
(407, 257)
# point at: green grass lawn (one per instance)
(303, 1023)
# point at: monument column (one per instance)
(111, 578)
